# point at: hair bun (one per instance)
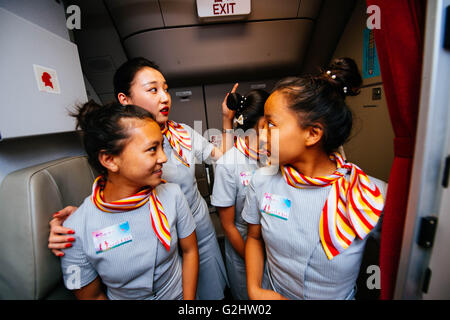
(235, 101)
(83, 114)
(344, 73)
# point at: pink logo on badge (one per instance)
(245, 177)
(276, 206)
(111, 237)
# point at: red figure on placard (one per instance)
(46, 79)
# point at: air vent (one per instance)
(100, 64)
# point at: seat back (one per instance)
(28, 199)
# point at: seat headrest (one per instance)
(28, 199)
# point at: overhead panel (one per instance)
(309, 9)
(41, 79)
(179, 12)
(132, 16)
(188, 107)
(101, 52)
(269, 9)
(217, 52)
(184, 12)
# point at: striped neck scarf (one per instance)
(159, 220)
(245, 149)
(178, 137)
(353, 207)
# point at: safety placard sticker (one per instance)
(46, 79)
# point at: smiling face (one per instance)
(149, 91)
(141, 160)
(286, 141)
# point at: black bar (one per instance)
(446, 172)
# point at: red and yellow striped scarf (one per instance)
(178, 137)
(245, 149)
(353, 207)
(159, 220)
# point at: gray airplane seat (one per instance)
(28, 198)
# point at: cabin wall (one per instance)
(20, 153)
(371, 146)
(48, 14)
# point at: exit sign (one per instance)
(221, 8)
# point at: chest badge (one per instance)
(245, 177)
(276, 206)
(111, 237)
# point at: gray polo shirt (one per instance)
(297, 263)
(232, 176)
(212, 277)
(139, 267)
(176, 172)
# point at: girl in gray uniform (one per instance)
(233, 173)
(127, 231)
(311, 215)
(139, 82)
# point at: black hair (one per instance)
(344, 74)
(320, 99)
(124, 75)
(250, 106)
(102, 130)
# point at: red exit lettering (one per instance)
(225, 8)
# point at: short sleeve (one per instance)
(76, 269)
(201, 147)
(251, 213)
(224, 189)
(185, 220)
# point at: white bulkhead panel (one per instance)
(41, 79)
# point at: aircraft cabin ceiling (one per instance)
(278, 38)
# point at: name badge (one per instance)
(111, 237)
(245, 177)
(276, 206)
